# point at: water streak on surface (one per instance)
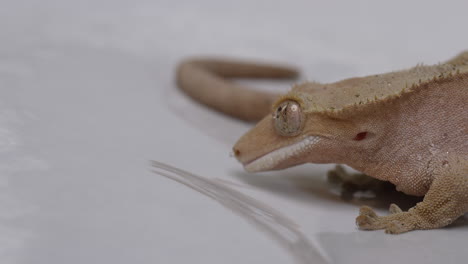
(272, 222)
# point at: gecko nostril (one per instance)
(236, 152)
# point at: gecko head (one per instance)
(293, 134)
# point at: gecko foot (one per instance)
(395, 223)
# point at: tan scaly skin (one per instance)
(408, 127)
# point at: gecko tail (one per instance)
(207, 81)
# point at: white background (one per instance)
(87, 99)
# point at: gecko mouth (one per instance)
(276, 157)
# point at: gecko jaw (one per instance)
(271, 160)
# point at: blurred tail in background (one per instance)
(207, 81)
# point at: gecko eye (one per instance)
(288, 118)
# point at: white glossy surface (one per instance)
(87, 99)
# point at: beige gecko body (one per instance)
(408, 127)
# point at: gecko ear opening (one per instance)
(363, 135)
(360, 136)
(288, 118)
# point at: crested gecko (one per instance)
(408, 127)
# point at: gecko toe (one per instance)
(368, 219)
(365, 222)
(366, 210)
(398, 227)
(394, 209)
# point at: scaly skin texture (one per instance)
(408, 127)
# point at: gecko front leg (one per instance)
(446, 200)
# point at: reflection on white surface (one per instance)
(267, 219)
